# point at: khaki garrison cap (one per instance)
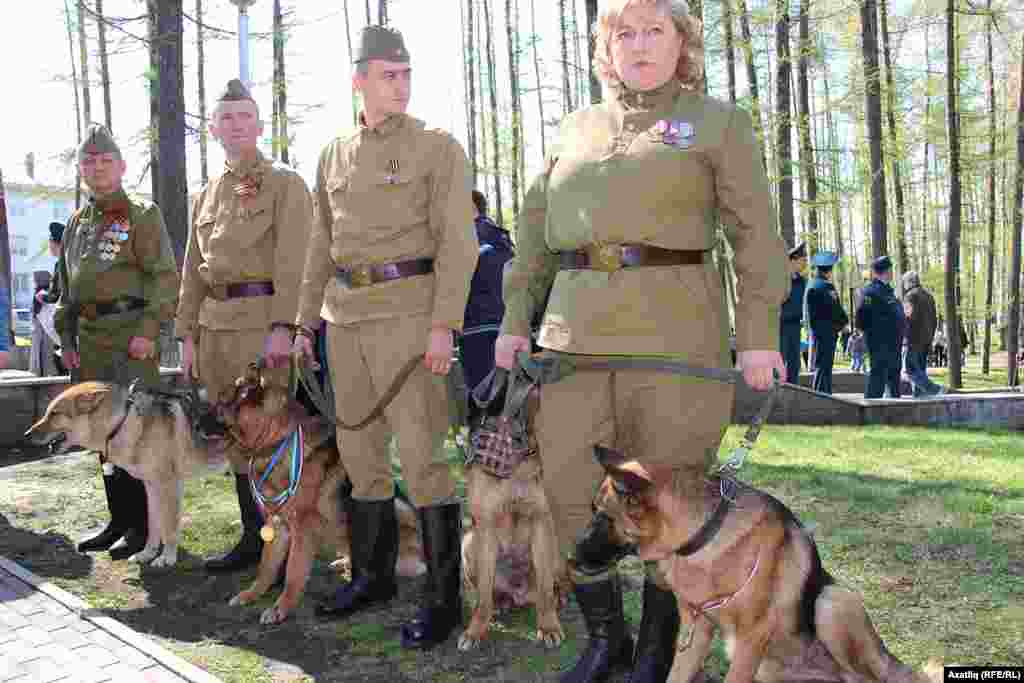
(381, 42)
(235, 91)
(98, 140)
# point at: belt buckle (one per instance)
(219, 292)
(605, 257)
(361, 276)
(89, 312)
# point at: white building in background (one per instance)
(31, 207)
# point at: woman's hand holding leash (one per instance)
(759, 368)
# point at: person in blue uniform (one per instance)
(880, 315)
(791, 315)
(826, 317)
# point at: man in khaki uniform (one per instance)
(118, 283)
(240, 283)
(388, 268)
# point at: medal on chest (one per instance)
(675, 133)
(393, 169)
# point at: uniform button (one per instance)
(630, 127)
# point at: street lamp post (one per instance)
(243, 39)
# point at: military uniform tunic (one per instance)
(115, 249)
(659, 168)
(396, 192)
(242, 235)
(880, 315)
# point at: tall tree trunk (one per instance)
(783, 123)
(470, 84)
(492, 79)
(953, 227)
(1013, 319)
(730, 48)
(483, 135)
(78, 106)
(566, 83)
(511, 22)
(382, 12)
(901, 221)
(348, 42)
(281, 85)
(201, 77)
(748, 54)
(153, 78)
(83, 49)
(369, 14)
(595, 85)
(579, 77)
(806, 150)
(873, 114)
(101, 28)
(925, 193)
(990, 269)
(535, 38)
(173, 189)
(833, 167)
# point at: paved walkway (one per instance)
(47, 634)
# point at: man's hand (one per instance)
(70, 359)
(141, 348)
(506, 348)
(759, 368)
(303, 348)
(188, 355)
(277, 348)
(440, 347)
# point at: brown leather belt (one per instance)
(612, 257)
(100, 309)
(242, 290)
(364, 276)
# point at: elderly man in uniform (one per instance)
(826, 317)
(880, 315)
(388, 268)
(240, 283)
(118, 281)
(792, 312)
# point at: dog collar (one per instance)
(707, 531)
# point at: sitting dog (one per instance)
(148, 433)
(744, 562)
(263, 423)
(510, 557)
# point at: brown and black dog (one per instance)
(759, 578)
(259, 416)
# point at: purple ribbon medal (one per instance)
(676, 133)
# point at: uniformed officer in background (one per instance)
(792, 313)
(240, 283)
(880, 315)
(388, 267)
(826, 318)
(118, 282)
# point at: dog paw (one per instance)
(273, 615)
(243, 598)
(145, 556)
(551, 638)
(468, 641)
(165, 560)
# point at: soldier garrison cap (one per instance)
(98, 140)
(381, 42)
(881, 264)
(235, 91)
(799, 251)
(824, 259)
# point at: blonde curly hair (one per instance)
(689, 70)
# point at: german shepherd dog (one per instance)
(261, 419)
(147, 433)
(759, 578)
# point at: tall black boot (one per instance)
(115, 527)
(441, 605)
(246, 552)
(598, 592)
(132, 494)
(374, 543)
(656, 642)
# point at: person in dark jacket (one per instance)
(791, 315)
(880, 315)
(922, 320)
(826, 317)
(485, 306)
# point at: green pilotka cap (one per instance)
(98, 140)
(381, 42)
(235, 91)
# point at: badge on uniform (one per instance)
(393, 168)
(675, 133)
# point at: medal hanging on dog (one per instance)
(298, 451)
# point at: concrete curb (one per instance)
(176, 664)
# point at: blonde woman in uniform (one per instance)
(622, 222)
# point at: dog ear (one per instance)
(609, 458)
(88, 401)
(628, 476)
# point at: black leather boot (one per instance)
(441, 605)
(374, 544)
(134, 509)
(598, 592)
(115, 527)
(246, 552)
(656, 642)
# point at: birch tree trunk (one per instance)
(101, 28)
(513, 66)
(873, 116)
(783, 131)
(83, 51)
(954, 220)
(1013, 294)
(901, 216)
(755, 103)
(78, 106)
(540, 83)
(567, 104)
(492, 80)
(592, 14)
(990, 269)
(806, 149)
(281, 85)
(201, 78)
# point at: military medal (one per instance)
(267, 531)
(248, 187)
(392, 175)
(675, 133)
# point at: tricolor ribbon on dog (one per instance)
(297, 443)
